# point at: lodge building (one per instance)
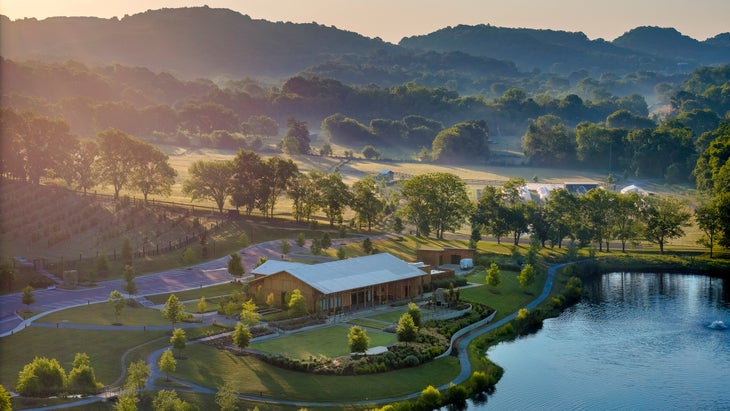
(345, 285)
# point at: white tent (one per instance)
(634, 189)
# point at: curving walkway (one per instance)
(460, 344)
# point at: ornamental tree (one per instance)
(406, 329)
(174, 311)
(358, 340)
(167, 363)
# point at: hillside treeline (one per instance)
(604, 132)
(145, 103)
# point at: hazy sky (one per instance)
(393, 19)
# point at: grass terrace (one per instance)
(211, 367)
(328, 341)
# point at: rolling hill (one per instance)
(209, 42)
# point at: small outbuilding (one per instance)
(437, 257)
(386, 175)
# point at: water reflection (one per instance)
(636, 341)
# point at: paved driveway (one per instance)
(198, 276)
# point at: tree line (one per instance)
(140, 102)
(432, 203)
(37, 146)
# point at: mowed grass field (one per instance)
(328, 341)
(150, 230)
(211, 367)
(105, 349)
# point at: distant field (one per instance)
(104, 230)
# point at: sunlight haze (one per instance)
(393, 20)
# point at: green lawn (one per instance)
(103, 314)
(369, 323)
(390, 316)
(105, 349)
(195, 294)
(211, 367)
(211, 304)
(507, 297)
(328, 341)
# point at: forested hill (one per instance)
(209, 42)
(669, 43)
(191, 42)
(643, 48)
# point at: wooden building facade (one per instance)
(343, 285)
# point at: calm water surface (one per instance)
(635, 342)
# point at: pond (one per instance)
(636, 341)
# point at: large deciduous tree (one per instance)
(665, 218)
(81, 378)
(563, 211)
(209, 180)
(78, 171)
(152, 172)
(600, 146)
(117, 158)
(42, 377)
(260, 126)
(247, 180)
(548, 141)
(334, 197)
(277, 174)
(204, 118)
(305, 195)
(600, 211)
(655, 152)
(436, 201)
(34, 146)
(298, 132)
(490, 215)
(365, 201)
(465, 141)
(516, 209)
(710, 221)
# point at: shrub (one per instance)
(411, 361)
(506, 330)
(479, 381)
(430, 398)
(300, 239)
(456, 395)
(41, 377)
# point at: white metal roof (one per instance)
(633, 189)
(342, 275)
